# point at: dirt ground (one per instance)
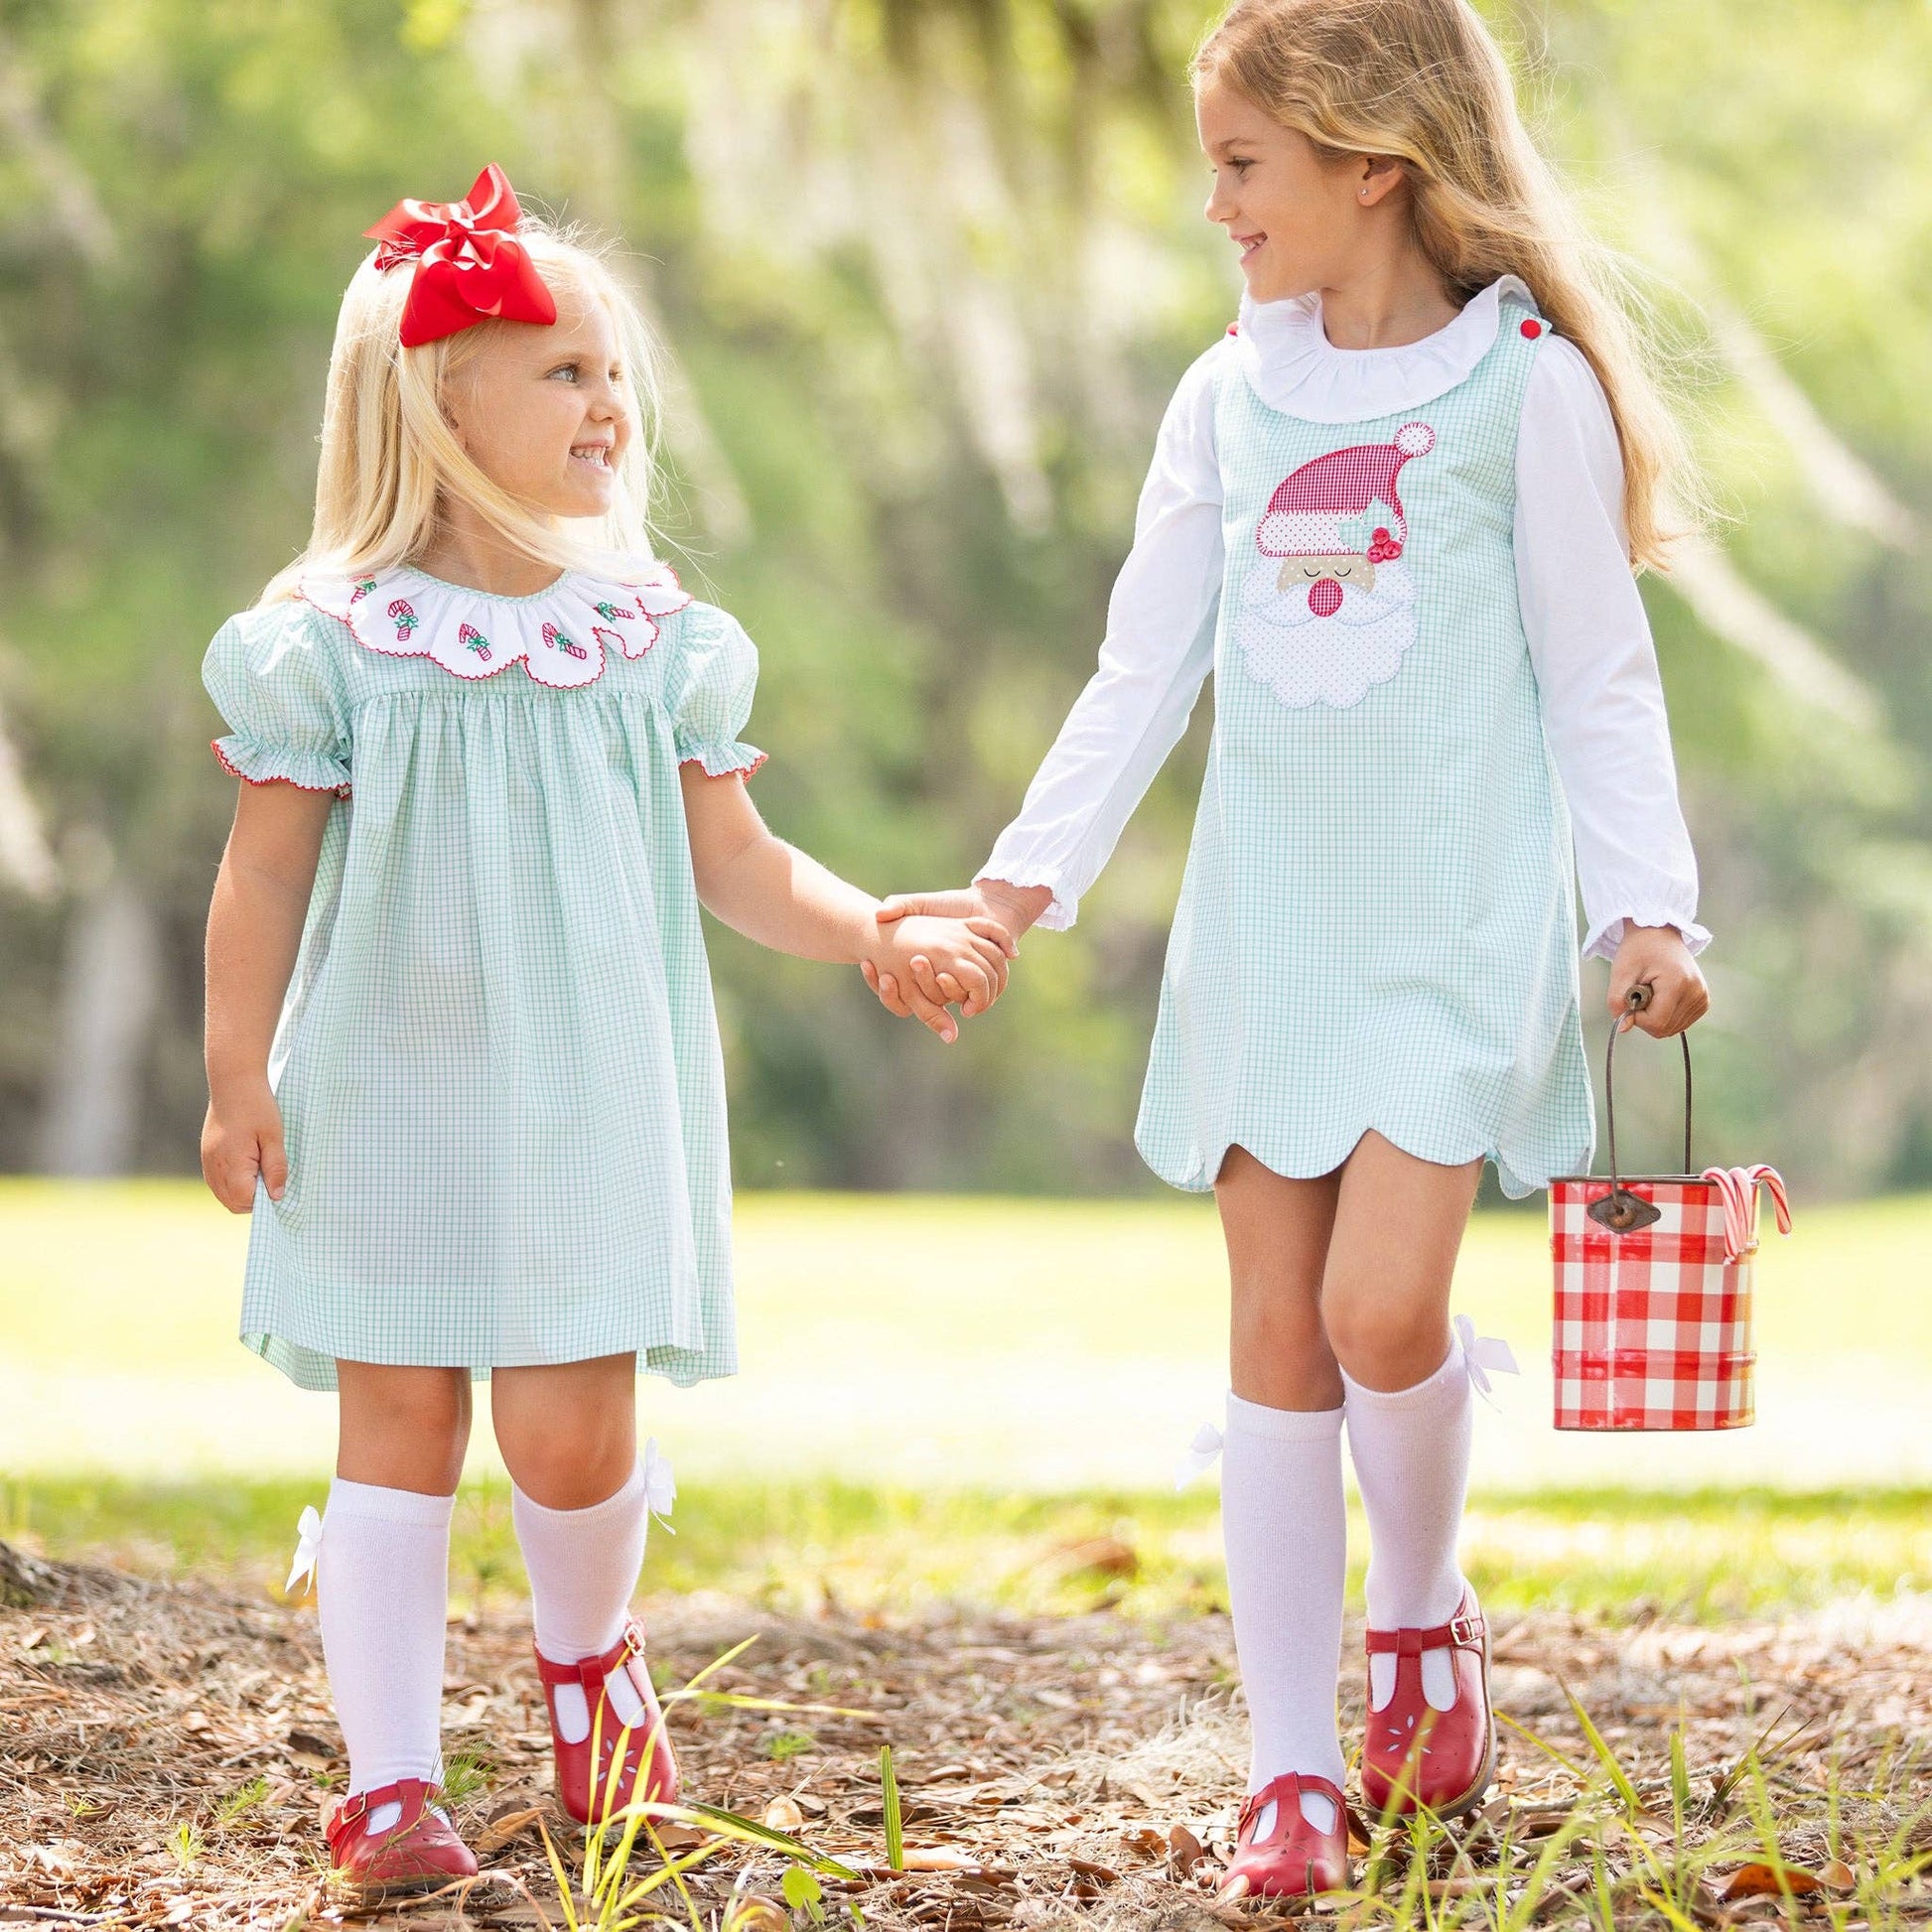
(166, 1751)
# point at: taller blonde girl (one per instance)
(1425, 83)
(1395, 512)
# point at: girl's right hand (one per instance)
(1012, 907)
(241, 1139)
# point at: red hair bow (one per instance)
(470, 265)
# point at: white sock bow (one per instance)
(308, 1547)
(1483, 1353)
(1201, 1453)
(660, 1485)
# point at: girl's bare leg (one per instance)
(1385, 1290)
(567, 1430)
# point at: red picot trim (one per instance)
(734, 772)
(235, 770)
(1532, 329)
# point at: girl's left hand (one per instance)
(1656, 956)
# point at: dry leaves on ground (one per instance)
(166, 1751)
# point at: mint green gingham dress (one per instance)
(498, 1065)
(1377, 926)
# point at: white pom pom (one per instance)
(1414, 439)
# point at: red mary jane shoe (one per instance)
(418, 1853)
(1415, 1754)
(649, 1767)
(1294, 1860)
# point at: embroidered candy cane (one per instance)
(610, 612)
(362, 589)
(557, 641)
(472, 639)
(406, 618)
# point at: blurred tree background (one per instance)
(927, 270)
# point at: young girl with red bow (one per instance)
(1395, 512)
(463, 1061)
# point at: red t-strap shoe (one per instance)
(649, 1767)
(1414, 1753)
(418, 1853)
(1294, 1860)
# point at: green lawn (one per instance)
(952, 1396)
(144, 1276)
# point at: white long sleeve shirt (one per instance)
(1589, 637)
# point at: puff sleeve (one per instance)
(709, 683)
(275, 678)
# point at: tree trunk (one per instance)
(110, 986)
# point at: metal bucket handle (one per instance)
(1621, 1210)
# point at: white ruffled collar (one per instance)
(1292, 367)
(560, 637)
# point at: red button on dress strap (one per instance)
(1532, 329)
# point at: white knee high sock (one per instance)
(1285, 1534)
(382, 1585)
(1412, 1462)
(582, 1566)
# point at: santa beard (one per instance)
(1305, 658)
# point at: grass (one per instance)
(143, 1277)
(869, 1322)
(1702, 1556)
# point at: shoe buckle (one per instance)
(1465, 1630)
(353, 1810)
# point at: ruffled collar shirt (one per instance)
(1589, 637)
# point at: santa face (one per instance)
(1326, 630)
(1329, 610)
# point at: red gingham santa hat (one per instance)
(1306, 513)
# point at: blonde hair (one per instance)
(391, 463)
(1423, 82)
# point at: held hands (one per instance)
(916, 988)
(939, 960)
(1656, 956)
(241, 1139)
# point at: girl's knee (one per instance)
(403, 1428)
(1383, 1337)
(569, 1440)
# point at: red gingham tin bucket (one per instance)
(1653, 1286)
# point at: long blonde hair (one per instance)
(1423, 82)
(390, 462)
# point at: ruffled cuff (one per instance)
(1060, 914)
(281, 764)
(1602, 941)
(721, 756)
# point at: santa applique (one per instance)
(1331, 607)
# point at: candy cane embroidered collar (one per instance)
(560, 637)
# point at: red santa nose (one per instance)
(1325, 598)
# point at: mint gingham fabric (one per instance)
(498, 1065)
(1376, 929)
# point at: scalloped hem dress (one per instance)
(1406, 571)
(497, 1064)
